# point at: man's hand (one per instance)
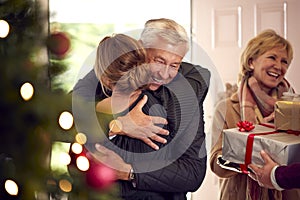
(140, 126)
(112, 160)
(263, 174)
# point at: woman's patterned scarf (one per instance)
(255, 104)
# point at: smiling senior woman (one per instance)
(264, 63)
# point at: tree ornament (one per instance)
(100, 176)
(58, 44)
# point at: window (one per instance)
(86, 22)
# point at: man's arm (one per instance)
(288, 177)
(136, 124)
(182, 165)
(87, 91)
(273, 176)
(163, 172)
(185, 174)
(188, 171)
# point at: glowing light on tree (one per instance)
(4, 28)
(27, 91)
(82, 163)
(66, 120)
(11, 187)
(77, 148)
(81, 138)
(65, 185)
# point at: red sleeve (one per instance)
(288, 177)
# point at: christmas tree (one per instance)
(35, 117)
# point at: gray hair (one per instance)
(166, 29)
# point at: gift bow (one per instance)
(245, 126)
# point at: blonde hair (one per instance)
(121, 62)
(263, 42)
(168, 30)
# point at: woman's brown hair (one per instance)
(121, 61)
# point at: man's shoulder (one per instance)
(196, 72)
(187, 68)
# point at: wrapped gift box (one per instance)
(287, 115)
(282, 147)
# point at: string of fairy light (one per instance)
(26, 92)
(4, 28)
(65, 121)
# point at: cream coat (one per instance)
(233, 185)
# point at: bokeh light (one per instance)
(4, 28)
(66, 120)
(26, 91)
(77, 148)
(82, 163)
(11, 187)
(80, 138)
(65, 158)
(65, 185)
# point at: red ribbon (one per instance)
(267, 125)
(249, 144)
(293, 132)
(286, 131)
(249, 148)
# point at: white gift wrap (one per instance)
(282, 147)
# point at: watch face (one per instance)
(115, 126)
(131, 175)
